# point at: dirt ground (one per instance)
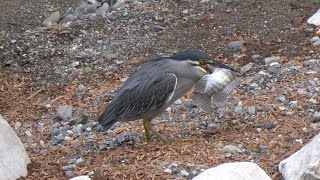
(40, 79)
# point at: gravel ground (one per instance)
(270, 116)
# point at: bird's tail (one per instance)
(107, 120)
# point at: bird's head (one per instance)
(201, 60)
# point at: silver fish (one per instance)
(214, 89)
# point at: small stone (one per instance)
(119, 62)
(117, 4)
(268, 125)
(316, 117)
(281, 98)
(238, 110)
(81, 162)
(314, 39)
(236, 45)
(252, 110)
(184, 173)
(83, 177)
(271, 59)
(313, 101)
(309, 30)
(8, 62)
(69, 167)
(64, 112)
(289, 113)
(103, 10)
(262, 148)
(282, 108)
(272, 69)
(230, 148)
(168, 171)
(227, 155)
(258, 130)
(69, 174)
(112, 17)
(17, 125)
(185, 11)
(234, 121)
(246, 68)
(52, 19)
(81, 87)
(219, 145)
(256, 56)
(158, 28)
(212, 126)
(88, 129)
(178, 102)
(75, 64)
(28, 133)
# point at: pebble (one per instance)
(315, 41)
(103, 10)
(281, 98)
(52, 19)
(69, 174)
(158, 28)
(262, 148)
(268, 125)
(17, 125)
(81, 87)
(8, 62)
(168, 171)
(272, 69)
(64, 112)
(68, 167)
(246, 68)
(81, 162)
(252, 110)
(75, 64)
(316, 117)
(184, 173)
(289, 113)
(227, 155)
(271, 59)
(236, 45)
(313, 101)
(230, 148)
(212, 126)
(255, 56)
(219, 145)
(238, 110)
(258, 130)
(178, 102)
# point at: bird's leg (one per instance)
(146, 130)
(149, 126)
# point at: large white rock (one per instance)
(13, 157)
(304, 164)
(315, 19)
(234, 171)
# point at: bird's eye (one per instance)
(201, 61)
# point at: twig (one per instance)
(34, 94)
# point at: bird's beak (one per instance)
(221, 65)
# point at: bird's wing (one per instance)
(149, 95)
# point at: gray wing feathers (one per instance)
(147, 94)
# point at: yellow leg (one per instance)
(147, 124)
(146, 130)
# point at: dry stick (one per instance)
(34, 94)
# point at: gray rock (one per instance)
(86, 7)
(212, 126)
(230, 148)
(246, 68)
(271, 59)
(256, 56)
(272, 69)
(7, 62)
(236, 45)
(219, 145)
(69, 18)
(117, 4)
(315, 41)
(158, 28)
(69, 173)
(82, 87)
(252, 110)
(311, 62)
(238, 110)
(234, 171)
(103, 10)
(69, 167)
(13, 157)
(81, 162)
(316, 117)
(184, 173)
(52, 19)
(268, 125)
(167, 171)
(262, 148)
(178, 102)
(64, 112)
(304, 164)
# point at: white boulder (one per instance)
(304, 164)
(315, 19)
(234, 171)
(13, 157)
